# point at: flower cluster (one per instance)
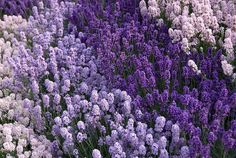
(16, 7)
(16, 136)
(139, 57)
(120, 79)
(68, 97)
(137, 140)
(197, 22)
(18, 140)
(12, 36)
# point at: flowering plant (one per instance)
(116, 79)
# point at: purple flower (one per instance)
(160, 123)
(96, 153)
(149, 139)
(185, 152)
(17, 7)
(49, 85)
(164, 153)
(73, 74)
(57, 99)
(46, 100)
(228, 140)
(155, 148)
(162, 142)
(212, 137)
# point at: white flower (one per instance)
(7, 131)
(34, 142)
(27, 154)
(227, 68)
(36, 154)
(19, 149)
(21, 156)
(8, 138)
(143, 8)
(228, 45)
(194, 66)
(16, 131)
(153, 12)
(22, 142)
(9, 146)
(160, 123)
(81, 125)
(4, 105)
(185, 45)
(96, 153)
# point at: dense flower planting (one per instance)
(198, 23)
(125, 78)
(17, 7)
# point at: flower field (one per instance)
(117, 79)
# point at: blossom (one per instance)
(227, 68)
(160, 123)
(155, 71)
(129, 76)
(96, 154)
